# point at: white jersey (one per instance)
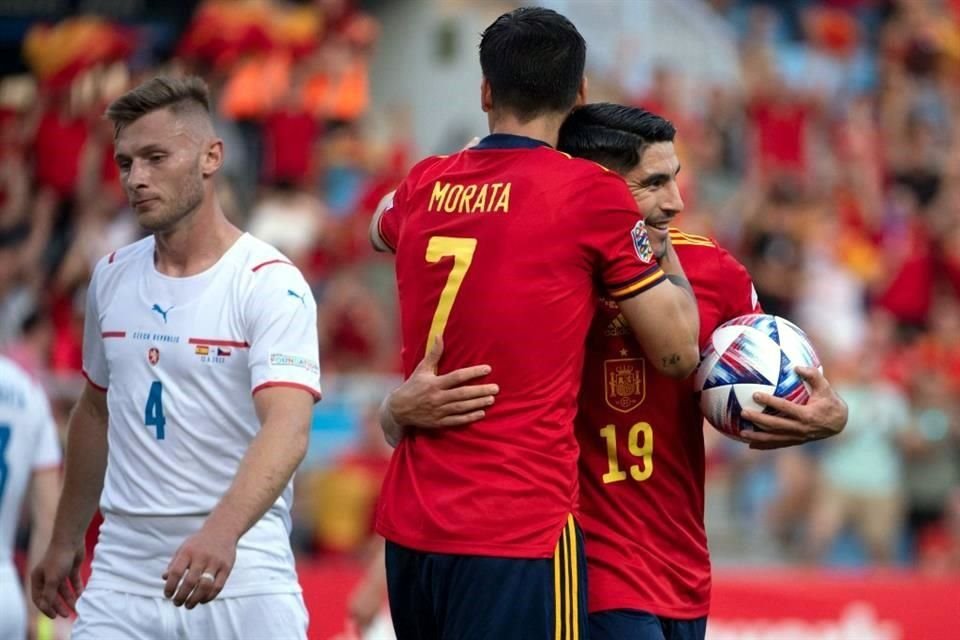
(180, 359)
(28, 443)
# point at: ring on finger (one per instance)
(206, 575)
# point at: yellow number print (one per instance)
(642, 451)
(462, 250)
(614, 473)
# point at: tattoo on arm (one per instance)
(672, 359)
(680, 281)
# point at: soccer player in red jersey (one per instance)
(502, 250)
(640, 433)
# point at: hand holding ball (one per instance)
(756, 352)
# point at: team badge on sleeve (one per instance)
(641, 242)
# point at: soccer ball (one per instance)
(756, 352)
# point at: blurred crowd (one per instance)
(291, 88)
(830, 170)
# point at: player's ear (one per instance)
(212, 158)
(486, 96)
(581, 93)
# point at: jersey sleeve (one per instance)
(46, 452)
(282, 331)
(94, 355)
(388, 224)
(742, 295)
(615, 235)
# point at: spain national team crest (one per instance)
(153, 355)
(625, 383)
(641, 242)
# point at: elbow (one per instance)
(679, 363)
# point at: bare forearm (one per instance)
(683, 317)
(666, 321)
(86, 464)
(43, 497)
(264, 472)
(39, 537)
(686, 312)
(375, 575)
(45, 487)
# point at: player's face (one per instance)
(159, 156)
(653, 183)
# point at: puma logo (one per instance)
(162, 313)
(300, 297)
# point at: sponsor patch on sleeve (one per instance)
(298, 362)
(641, 242)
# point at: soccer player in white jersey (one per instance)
(29, 460)
(201, 353)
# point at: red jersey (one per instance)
(642, 458)
(501, 249)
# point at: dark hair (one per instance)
(613, 135)
(162, 92)
(533, 59)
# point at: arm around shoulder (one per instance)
(649, 285)
(666, 320)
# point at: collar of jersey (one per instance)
(508, 141)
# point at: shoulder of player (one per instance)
(716, 276)
(264, 260)
(129, 252)
(115, 263)
(422, 173)
(690, 241)
(702, 253)
(16, 379)
(423, 168)
(578, 168)
(11, 371)
(428, 162)
(266, 271)
(583, 181)
(568, 167)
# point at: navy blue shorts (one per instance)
(435, 596)
(624, 624)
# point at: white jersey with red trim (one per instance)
(180, 360)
